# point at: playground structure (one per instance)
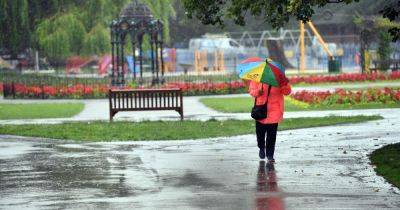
(302, 44)
(276, 53)
(288, 46)
(170, 60)
(201, 61)
(297, 50)
(217, 53)
(209, 57)
(76, 63)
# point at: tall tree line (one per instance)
(63, 28)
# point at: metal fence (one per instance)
(46, 86)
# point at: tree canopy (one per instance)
(276, 13)
(62, 28)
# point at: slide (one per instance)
(130, 61)
(75, 63)
(104, 62)
(276, 52)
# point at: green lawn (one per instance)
(244, 104)
(160, 130)
(387, 161)
(39, 110)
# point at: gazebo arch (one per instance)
(136, 21)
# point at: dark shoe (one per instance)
(271, 160)
(261, 153)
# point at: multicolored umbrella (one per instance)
(268, 71)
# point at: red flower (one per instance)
(49, 90)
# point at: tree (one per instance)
(65, 31)
(163, 10)
(57, 47)
(81, 26)
(276, 13)
(19, 19)
(375, 29)
(384, 49)
(14, 26)
(75, 24)
(392, 12)
(97, 41)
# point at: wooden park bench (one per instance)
(145, 100)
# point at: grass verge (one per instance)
(387, 161)
(160, 130)
(244, 104)
(39, 110)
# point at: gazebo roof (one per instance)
(136, 10)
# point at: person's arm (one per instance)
(286, 90)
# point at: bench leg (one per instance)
(181, 113)
(112, 114)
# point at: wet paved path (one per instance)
(317, 168)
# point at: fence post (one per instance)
(4, 90)
(13, 89)
(42, 88)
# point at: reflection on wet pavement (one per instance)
(268, 196)
(318, 168)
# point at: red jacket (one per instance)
(276, 104)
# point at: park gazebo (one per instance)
(136, 21)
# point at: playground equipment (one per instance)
(201, 61)
(272, 43)
(170, 60)
(333, 65)
(104, 63)
(75, 63)
(219, 62)
(276, 52)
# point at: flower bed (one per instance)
(39, 88)
(340, 96)
(208, 88)
(78, 91)
(354, 77)
(47, 91)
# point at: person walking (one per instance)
(266, 129)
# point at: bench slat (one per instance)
(164, 99)
(152, 99)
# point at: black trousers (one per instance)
(269, 144)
